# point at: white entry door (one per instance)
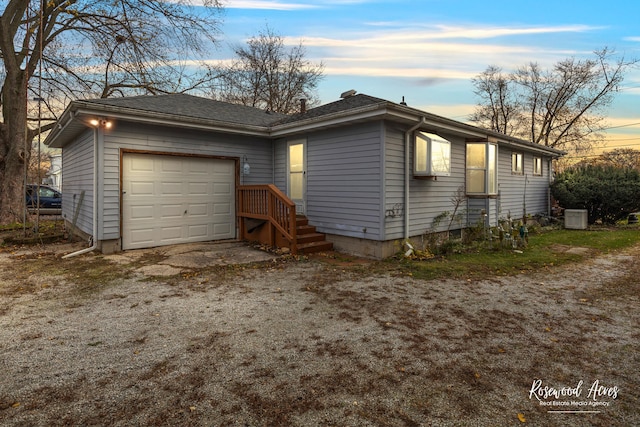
(297, 165)
(174, 199)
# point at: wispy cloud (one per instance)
(493, 32)
(433, 51)
(439, 31)
(266, 5)
(354, 69)
(287, 5)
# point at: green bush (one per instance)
(606, 192)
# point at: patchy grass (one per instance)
(49, 230)
(547, 249)
(89, 274)
(602, 239)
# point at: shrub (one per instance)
(606, 192)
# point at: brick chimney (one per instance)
(303, 106)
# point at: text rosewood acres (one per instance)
(596, 391)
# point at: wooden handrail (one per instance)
(266, 202)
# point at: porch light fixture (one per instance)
(106, 124)
(246, 169)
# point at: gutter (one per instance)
(94, 238)
(59, 128)
(407, 172)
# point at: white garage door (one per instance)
(172, 199)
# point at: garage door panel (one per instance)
(200, 168)
(198, 231)
(171, 233)
(199, 188)
(171, 211)
(142, 165)
(222, 189)
(140, 188)
(144, 212)
(200, 209)
(221, 208)
(197, 203)
(142, 236)
(221, 229)
(169, 164)
(172, 188)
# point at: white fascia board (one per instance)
(530, 146)
(408, 116)
(439, 126)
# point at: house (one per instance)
(367, 173)
(54, 176)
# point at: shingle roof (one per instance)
(194, 107)
(349, 103)
(190, 109)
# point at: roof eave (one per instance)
(80, 112)
(83, 111)
(408, 115)
(328, 120)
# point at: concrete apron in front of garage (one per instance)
(191, 256)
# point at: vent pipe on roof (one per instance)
(348, 93)
(403, 103)
(303, 105)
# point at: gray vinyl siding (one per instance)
(77, 166)
(475, 207)
(344, 180)
(512, 186)
(430, 198)
(394, 178)
(427, 198)
(280, 164)
(258, 153)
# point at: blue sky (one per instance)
(428, 50)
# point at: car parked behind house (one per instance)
(49, 198)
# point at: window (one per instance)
(482, 168)
(432, 155)
(537, 166)
(516, 163)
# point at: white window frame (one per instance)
(537, 166)
(426, 161)
(517, 163)
(490, 169)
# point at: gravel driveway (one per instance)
(326, 341)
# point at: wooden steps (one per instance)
(308, 240)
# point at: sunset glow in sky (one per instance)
(428, 50)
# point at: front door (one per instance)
(297, 185)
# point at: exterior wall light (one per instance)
(106, 124)
(246, 169)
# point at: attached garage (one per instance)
(170, 199)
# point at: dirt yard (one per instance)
(143, 340)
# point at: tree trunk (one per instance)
(13, 150)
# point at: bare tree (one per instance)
(500, 110)
(562, 107)
(625, 158)
(57, 50)
(266, 74)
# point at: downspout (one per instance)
(407, 172)
(550, 181)
(94, 238)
